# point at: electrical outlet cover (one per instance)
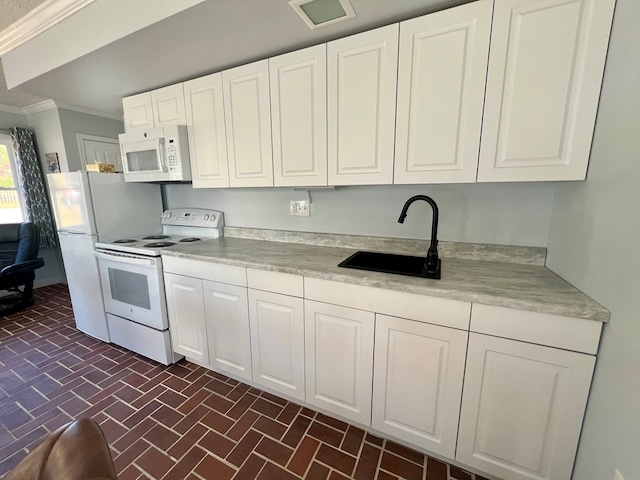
(300, 208)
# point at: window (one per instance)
(10, 198)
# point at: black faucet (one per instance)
(432, 262)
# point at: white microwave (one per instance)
(156, 155)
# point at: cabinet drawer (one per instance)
(277, 282)
(541, 328)
(439, 311)
(216, 272)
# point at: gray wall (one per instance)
(512, 214)
(48, 131)
(8, 120)
(73, 123)
(44, 126)
(48, 134)
(593, 243)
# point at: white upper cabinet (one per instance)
(361, 96)
(545, 72)
(138, 112)
(442, 70)
(158, 108)
(248, 125)
(206, 131)
(168, 106)
(299, 117)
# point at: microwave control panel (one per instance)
(172, 155)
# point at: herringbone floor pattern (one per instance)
(178, 422)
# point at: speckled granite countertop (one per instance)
(503, 283)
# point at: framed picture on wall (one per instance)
(53, 165)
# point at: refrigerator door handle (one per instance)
(71, 232)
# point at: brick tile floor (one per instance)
(177, 422)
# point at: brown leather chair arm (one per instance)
(76, 451)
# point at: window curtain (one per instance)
(31, 181)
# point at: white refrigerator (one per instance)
(91, 207)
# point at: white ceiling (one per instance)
(209, 37)
(10, 11)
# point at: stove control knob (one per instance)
(213, 217)
(206, 216)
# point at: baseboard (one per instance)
(45, 282)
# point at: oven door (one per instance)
(133, 287)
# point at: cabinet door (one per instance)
(441, 79)
(168, 106)
(545, 71)
(361, 96)
(522, 408)
(185, 307)
(227, 315)
(206, 130)
(138, 112)
(417, 385)
(339, 359)
(277, 342)
(299, 116)
(248, 125)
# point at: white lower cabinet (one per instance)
(522, 408)
(339, 360)
(185, 307)
(417, 384)
(277, 342)
(452, 381)
(227, 318)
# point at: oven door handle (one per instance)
(124, 258)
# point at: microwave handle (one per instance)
(125, 163)
(161, 165)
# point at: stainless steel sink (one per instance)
(390, 263)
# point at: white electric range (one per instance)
(133, 284)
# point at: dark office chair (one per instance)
(19, 245)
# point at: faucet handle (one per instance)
(432, 262)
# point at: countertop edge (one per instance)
(597, 312)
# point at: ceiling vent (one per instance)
(321, 13)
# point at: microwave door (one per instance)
(144, 157)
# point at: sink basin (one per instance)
(390, 263)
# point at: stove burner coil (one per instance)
(124, 240)
(159, 244)
(190, 239)
(155, 237)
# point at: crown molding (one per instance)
(41, 18)
(50, 104)
(10, 109)
(39, 107)
(90, 111)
